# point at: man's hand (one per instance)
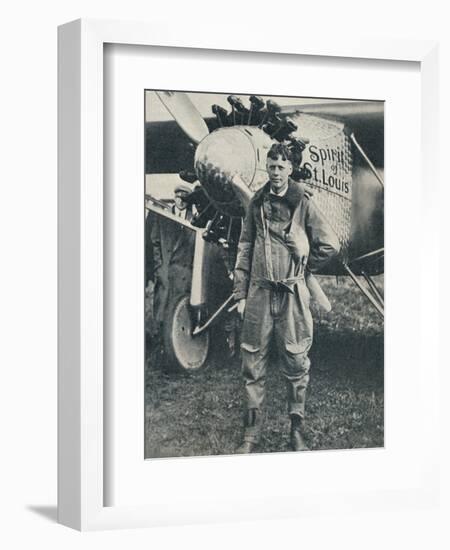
(241, 307)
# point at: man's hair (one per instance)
(280, 150)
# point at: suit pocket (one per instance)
(249, 347)
(301, 347)
(251, 336)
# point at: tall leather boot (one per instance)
(297, 439)
(252, 421)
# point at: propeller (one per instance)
(242, 190)
(185, 113)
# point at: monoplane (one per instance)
(338, 152)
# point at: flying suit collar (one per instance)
(294, 194)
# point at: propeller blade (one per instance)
(241, 190)
(186, 115)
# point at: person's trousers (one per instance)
(289, 327)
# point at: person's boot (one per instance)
(246, 447)
(297, 439)
(251, 432)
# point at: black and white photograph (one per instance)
(264, 273)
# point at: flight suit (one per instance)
(280, 238)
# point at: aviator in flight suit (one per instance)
(281, 236)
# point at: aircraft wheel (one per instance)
(184, 352)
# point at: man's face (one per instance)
(179, 201)
(279, 171)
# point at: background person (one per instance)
(169, 255)
(182, 208)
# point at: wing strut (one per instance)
(367, 159)
(373, 287)
(370, 292)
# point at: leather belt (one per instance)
(283, 285)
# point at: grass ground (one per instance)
(202, 414)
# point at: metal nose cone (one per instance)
(228, 152)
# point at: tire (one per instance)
(184, 352)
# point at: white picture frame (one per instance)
(81, 481)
